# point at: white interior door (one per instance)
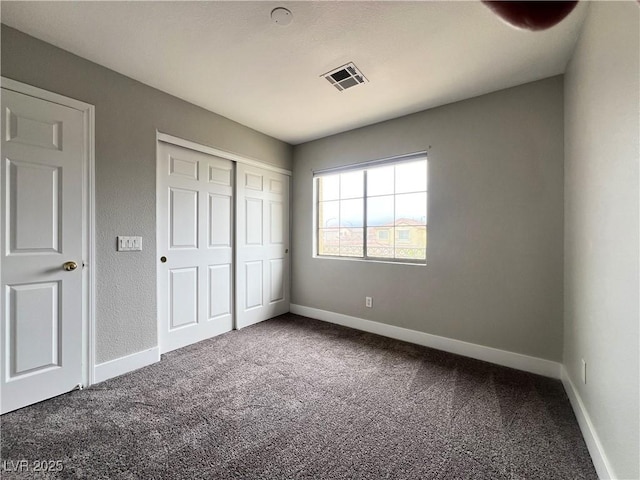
(42, 232)
(262, 258)
(195, 246)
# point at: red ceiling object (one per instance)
(531, 15)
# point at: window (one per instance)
(404, 235)
(374, 211)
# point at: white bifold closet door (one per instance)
(195, 246)
(262, 256)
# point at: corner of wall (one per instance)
(596, 450)
(601, 274)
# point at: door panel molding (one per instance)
(48, 137)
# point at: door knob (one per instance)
(68, 266)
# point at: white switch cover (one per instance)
(129, 244)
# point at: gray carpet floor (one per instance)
(298, 398)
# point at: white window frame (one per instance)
(412, 157)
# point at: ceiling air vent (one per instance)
(346, 76)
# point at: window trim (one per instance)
(405, 158)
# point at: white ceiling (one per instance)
(229, 58)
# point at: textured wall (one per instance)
(602, 88)
(127, 116)
(495, 234)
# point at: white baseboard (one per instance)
(600, 460)
(518, 361)
(120, 366)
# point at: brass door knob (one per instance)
(68, 266)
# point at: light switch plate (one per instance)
(129, 244)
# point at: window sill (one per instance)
(370, 260)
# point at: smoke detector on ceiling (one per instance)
(281, 16)
(346, 76)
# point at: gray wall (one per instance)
(495, 233)
(127, 116)
(602, 87)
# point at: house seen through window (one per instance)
(375, 211)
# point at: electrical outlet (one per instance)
(584, 371)
(368, 302)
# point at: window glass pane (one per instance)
(380, 211)
(411, 209)
(352, 213)
(396, 206)
(329, 187)
(352, 185)
(380, 181)
(403, 234)
(411, 243)
(328, 214)
(351, 242)
(328, 241)
(380, 242)
(405, 253)
(411, 177)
